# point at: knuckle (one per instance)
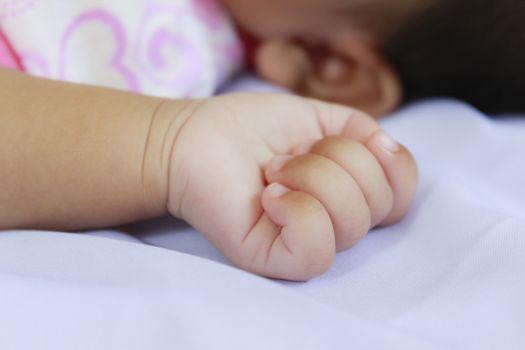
(394, 218)
(356, 228)
(318, 263)
(307, 166)
(306, 204)
(337, 144)
(316, 259)
(381, 207)
(360, 227)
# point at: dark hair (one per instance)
(469, 49)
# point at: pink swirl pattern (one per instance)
(152, 50)
(118, 37)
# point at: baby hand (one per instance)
(279, 183)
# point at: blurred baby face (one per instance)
(321, 19)
(326, 49)
(289, 18)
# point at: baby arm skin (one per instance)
(278, 183)
(74, 157)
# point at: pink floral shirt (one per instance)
(170, 48)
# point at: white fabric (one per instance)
(171, 48)
(450, 276)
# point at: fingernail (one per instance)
(277, 163)
(277, 190)
(387, 142)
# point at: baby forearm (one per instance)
(73, 157)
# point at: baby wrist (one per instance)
(165, 124)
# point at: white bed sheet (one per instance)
(450, 276)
